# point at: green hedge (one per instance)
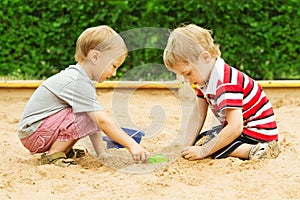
(260, 37)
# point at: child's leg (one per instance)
(61, 146)
(245, 147)
(47, 133)
(63, 128)
(97, 142)
(266, 150)
(242, 151)
(74, 127)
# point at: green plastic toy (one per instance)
(158, 158)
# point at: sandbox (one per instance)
(161, 110)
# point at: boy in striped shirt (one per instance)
(248, 128)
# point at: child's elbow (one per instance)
(100, 118)
(103, 121)
(238, 129)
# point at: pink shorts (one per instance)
(62, 126)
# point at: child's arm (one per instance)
(227, 135)
(109, 127)
(196, 121)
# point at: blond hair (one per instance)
(101, 38)
(186, 43)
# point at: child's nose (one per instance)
(114, 73)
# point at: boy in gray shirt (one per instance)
(65, 107)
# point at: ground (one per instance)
(162, 115)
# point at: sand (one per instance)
(162, 115)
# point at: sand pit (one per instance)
(161, 114)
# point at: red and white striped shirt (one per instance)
(230, 88)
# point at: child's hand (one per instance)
(192, 153)
(138, 153)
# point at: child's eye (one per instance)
(188, 74)
(114, 66)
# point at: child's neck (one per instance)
(210, 67)
(87, 68)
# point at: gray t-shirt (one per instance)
(69, 88)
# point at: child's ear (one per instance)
(93, 56)
(205, 56)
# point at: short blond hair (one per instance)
(186, 43)
(101, 38)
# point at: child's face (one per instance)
(111, 69)
(198, 72)
(189, 72)
(105, 64)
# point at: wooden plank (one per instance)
(104, 85)
(142, 84)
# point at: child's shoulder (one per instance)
(65, 76)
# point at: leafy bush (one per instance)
(259, 37)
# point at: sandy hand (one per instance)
(139, 154)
